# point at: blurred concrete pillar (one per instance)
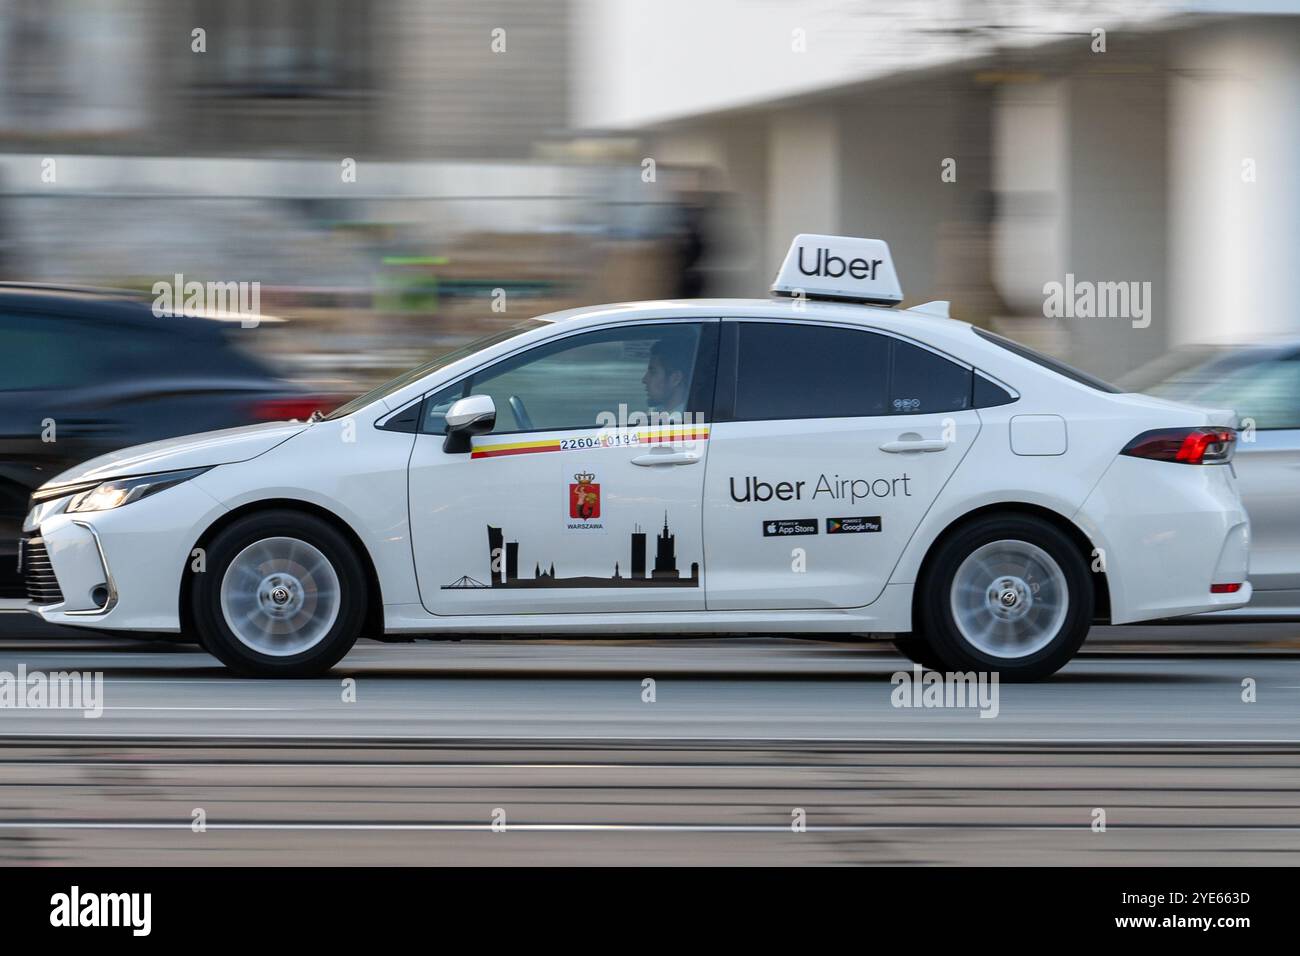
(1029, 180)
(1115, 208)
(895, 150)
(803, 178)
(1234, 196)
(1080, 174)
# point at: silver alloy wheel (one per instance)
(1009, 599)
(280, 596)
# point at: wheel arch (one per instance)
(374, 620)
(1101, 589)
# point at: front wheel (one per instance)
(1007, 593)
(283, 595)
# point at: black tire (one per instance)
(918, 650)
(214, 631)
(956, 651)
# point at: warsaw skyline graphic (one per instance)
(503, 562)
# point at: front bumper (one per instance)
(121, 569)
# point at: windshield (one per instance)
(417, 373)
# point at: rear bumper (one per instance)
(1167, 532)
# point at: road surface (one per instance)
(409, 753)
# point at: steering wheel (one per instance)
(521, 414)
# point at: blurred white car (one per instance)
(1261, 381)
(794, 464)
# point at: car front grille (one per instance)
(42, 585)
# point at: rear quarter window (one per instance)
(923, 381)
(989, 394)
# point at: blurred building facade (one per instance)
(376, 79)
(589, 150)
(378, 166)
(236, 137)
(997, 146)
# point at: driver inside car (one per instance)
(667, 376)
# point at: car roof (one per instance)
(901, 320)
(109, 306)
(925, 327)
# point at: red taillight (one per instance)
(283, 409)
(1225, 588)
(1190, 446)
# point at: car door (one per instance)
(828, 446)
(585, 497)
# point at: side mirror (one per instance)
(469, 416)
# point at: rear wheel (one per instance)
(1007, 593)
(283, 595)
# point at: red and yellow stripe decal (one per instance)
(515, 448)
(623, 438)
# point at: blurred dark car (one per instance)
(1261, 381)
(84, 372)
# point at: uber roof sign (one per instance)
(839, 267)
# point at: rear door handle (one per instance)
(918, 444)
(671, 458)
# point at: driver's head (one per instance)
(667, 374)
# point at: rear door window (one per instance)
(789, 370)
(795, 370)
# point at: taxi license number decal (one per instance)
(618, 439)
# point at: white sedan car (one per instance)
(787, 465)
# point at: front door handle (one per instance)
(670, 458)
(916, 444)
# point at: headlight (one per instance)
(122, 491)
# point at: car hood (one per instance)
(189, 451)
